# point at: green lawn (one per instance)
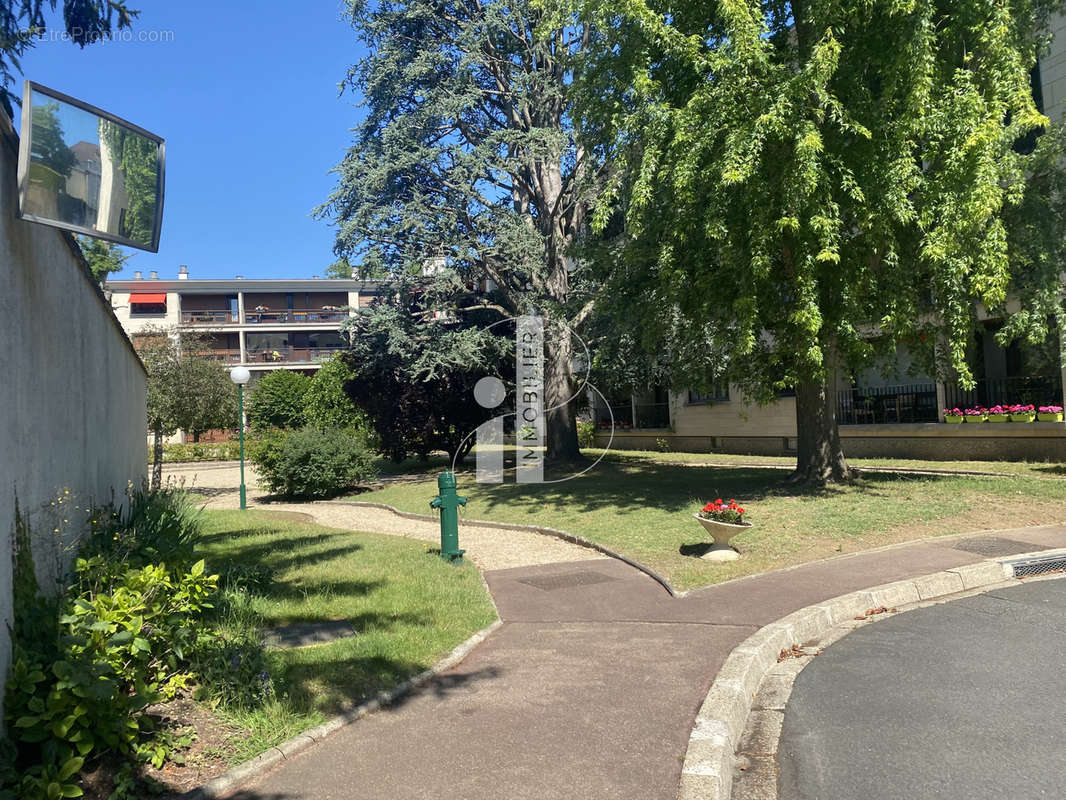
(642, 504)
(408, 607)
(1035, 469)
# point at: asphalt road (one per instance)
(963, 700)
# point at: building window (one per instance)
(148, 303)
(718, 393)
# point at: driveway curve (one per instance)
(958, 701)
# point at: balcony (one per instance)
(292, 355)
(291, 316)
(228, 356)
(208, 318)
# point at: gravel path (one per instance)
(488, 548)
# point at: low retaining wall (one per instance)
(987, 441)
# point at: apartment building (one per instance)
(265, 325)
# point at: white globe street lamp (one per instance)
(241, 376)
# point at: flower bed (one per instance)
(1049, 413)
(953, 416)
(1020, 413)
(1003, 413)
(998, 414)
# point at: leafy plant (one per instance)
(278, 400)
(326, 405)
(122, 636)
(414, 377)
(201, 451)
(312, 463)
(586, 435)
(154, 526)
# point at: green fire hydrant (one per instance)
(448, 502)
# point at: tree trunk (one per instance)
(157, 459)
(559, 385)
(819, 457)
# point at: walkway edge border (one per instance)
(237, 775)
(707, 772)
(566, 536)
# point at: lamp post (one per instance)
(241, 376)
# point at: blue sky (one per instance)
(246, 96)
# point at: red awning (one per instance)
(149, 298)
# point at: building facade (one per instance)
(262, 324)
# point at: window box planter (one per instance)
(1047, 416)
(953, 419)
(998, 417)
(974, 418)
(1024, 416)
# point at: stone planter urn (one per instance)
(721, 533)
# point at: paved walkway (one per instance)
(961, 700)
(589, 688)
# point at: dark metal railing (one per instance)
(879, 405)
(1040, 390)
(254, 317)
(626, 415)
(289, 355)
(229, 356)
(208, 318)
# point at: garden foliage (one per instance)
(414, 376)
(312, 463)
(278, 400)
(131, 629)
(326, 406)
(796, 176)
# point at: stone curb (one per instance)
(707, 772)
(566, 536)
(230, 780)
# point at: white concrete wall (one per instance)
(72, 391)
(134, 323)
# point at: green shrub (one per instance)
(137, 624)
(119, 645)
(200, 451)
(312, 463)
(586, 435)
(278, 400)
(326, 405)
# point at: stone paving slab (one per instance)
(305, 634)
